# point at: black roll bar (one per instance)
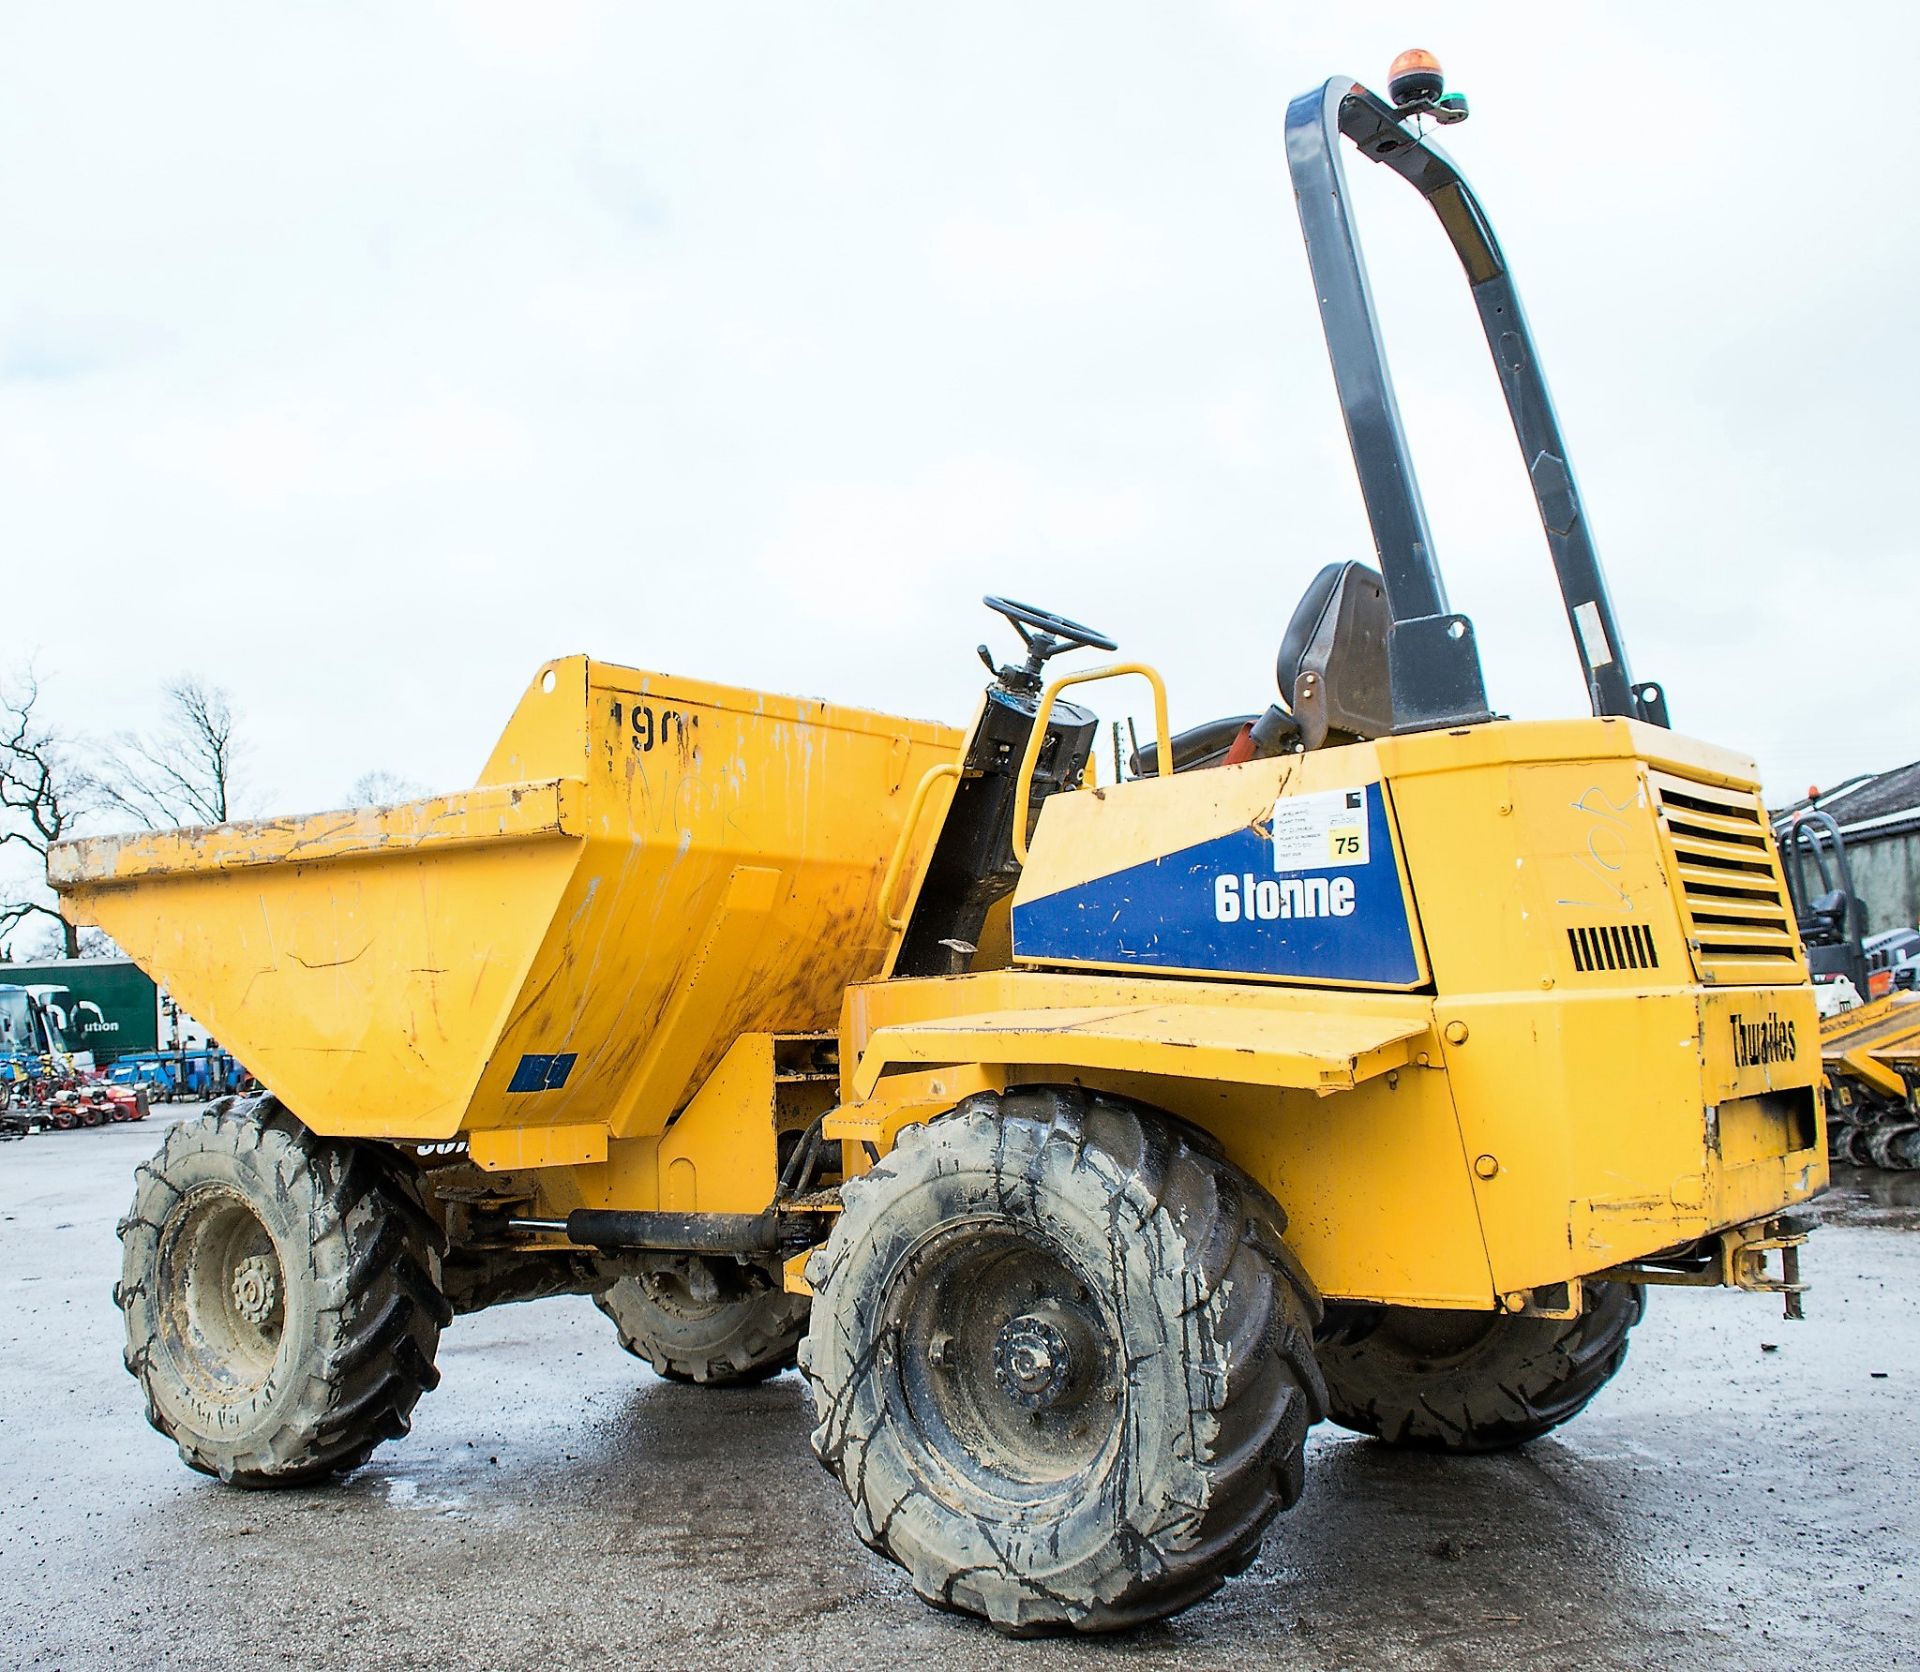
(1435, 664)
(1813, 834)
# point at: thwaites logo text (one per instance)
(1755, 1044)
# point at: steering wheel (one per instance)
(1051, 626)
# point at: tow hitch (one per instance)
(1737, 1259)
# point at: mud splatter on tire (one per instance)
(279, 1291)
(694, 1320)
(1062, 1362)
(1471, 1381)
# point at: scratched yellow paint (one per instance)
(651, 867)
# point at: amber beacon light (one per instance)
(1416, 86)
(1415, 77)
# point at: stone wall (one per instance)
(1886, 875)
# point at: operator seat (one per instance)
(1332, 673)
(1825, 923)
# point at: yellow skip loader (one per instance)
(1365, 1057)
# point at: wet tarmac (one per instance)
(1745, 1494)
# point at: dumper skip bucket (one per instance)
(649, 867)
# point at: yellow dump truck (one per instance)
(1364, 1056)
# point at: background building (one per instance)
(1879, 814)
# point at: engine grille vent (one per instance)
(1733, 898)
(1613, 946)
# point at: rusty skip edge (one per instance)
(491, 813)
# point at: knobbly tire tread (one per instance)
(365, 1252)
(1182, 1513)
(757, 1339)
(1525, 1378)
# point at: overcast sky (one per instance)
(360, 357)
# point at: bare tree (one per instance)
(44, 792)
(381, 788)
(57, 943)
(185, 771)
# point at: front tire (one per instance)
(1431, 1380)
(1062, 1362)
(281, 1310)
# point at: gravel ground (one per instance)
(1745, 1494)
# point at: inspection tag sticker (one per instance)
(1316, 832)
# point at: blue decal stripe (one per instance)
(543, 1073)
(1220, 907)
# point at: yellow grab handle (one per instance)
(1023, 785)
(932, 776)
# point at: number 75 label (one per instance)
(1320, 831)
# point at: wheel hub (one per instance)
(255, 1288)
(221, 1293)
(1032, 1361)
(1004, 1361)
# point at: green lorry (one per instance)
(108, 1006)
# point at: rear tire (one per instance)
(704, 1321)
(1062, 1362)
(1431, 1380)
(281, 1308)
